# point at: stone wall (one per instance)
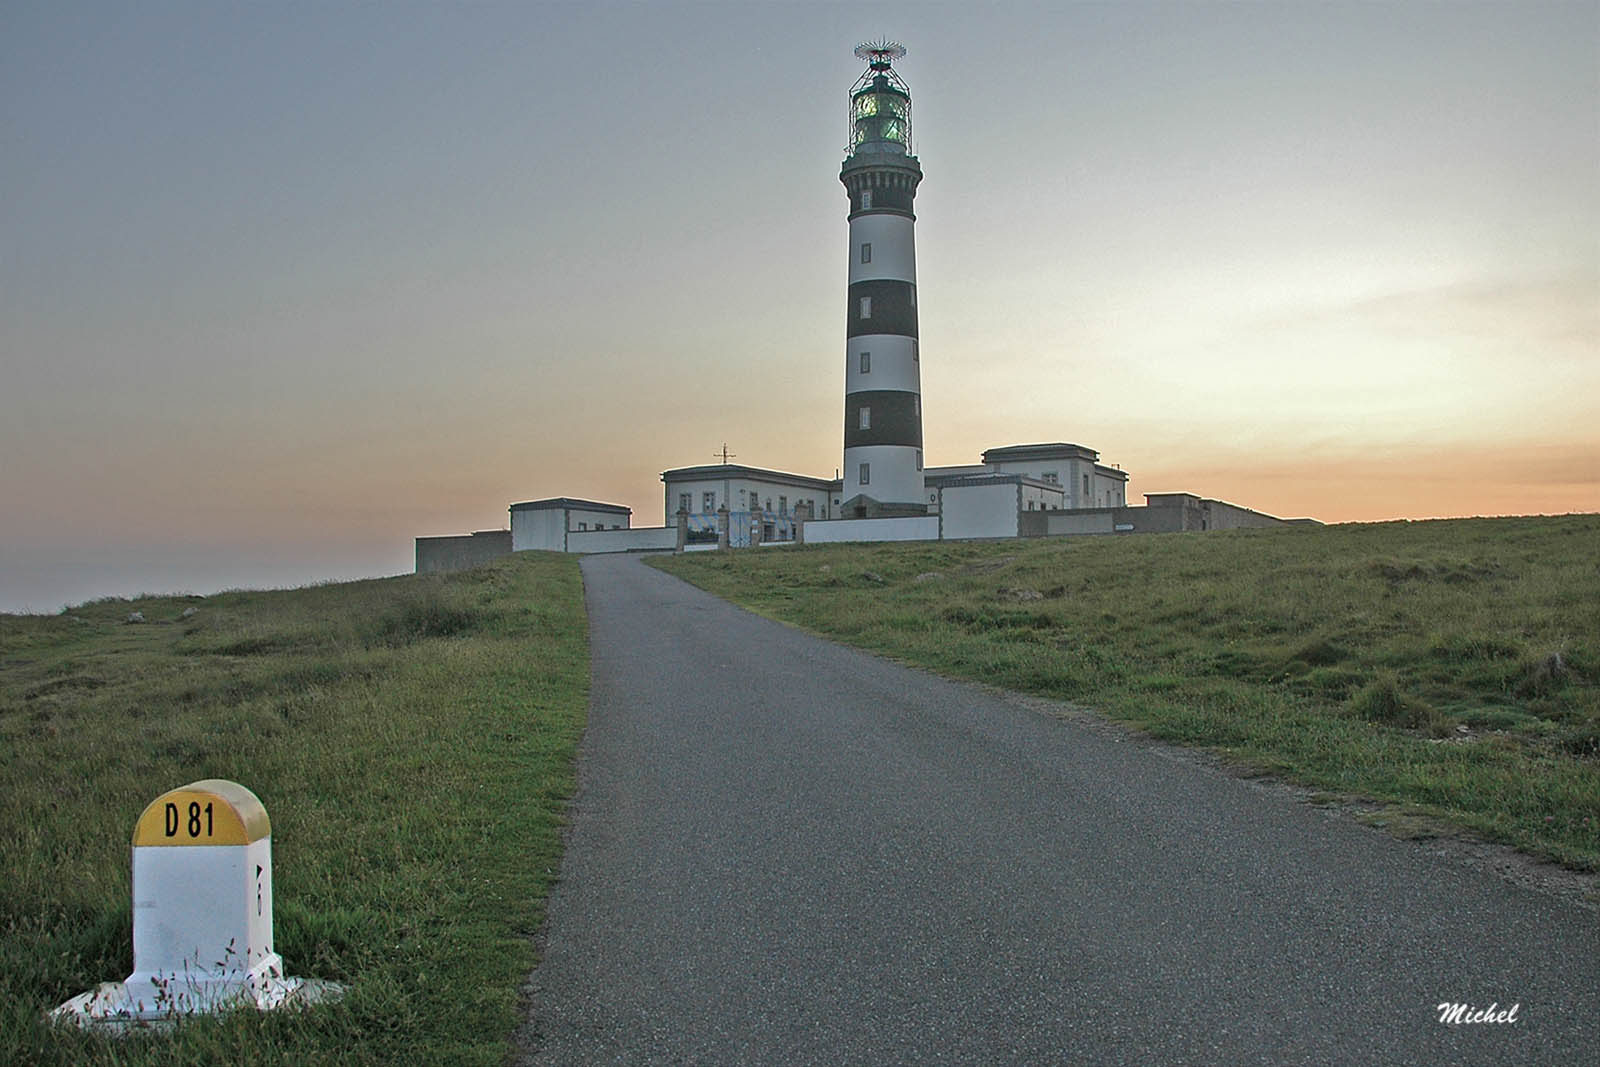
(1163, 513)
(438, 554)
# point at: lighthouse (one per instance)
(882, 472)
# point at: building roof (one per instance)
(738, 470)
(568, 503)
(462, 537)
(956, 471)
(952, 481)
(1047, 450)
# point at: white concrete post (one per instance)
(202, 913)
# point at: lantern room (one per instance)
(880, 103)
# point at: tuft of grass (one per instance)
(412, 740)
(1450, 666)
(1382, 702)
(1320, 652)
(420, 617)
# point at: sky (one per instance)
(286, 285)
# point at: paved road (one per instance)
(785, 852)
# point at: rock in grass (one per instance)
(928, 576)
(189, 613)
(135, 616)
(872, 576)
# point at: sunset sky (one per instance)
(285, 285)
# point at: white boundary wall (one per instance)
(976, 511)
(636, 539)
(908, 528)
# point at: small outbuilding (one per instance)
(546, 524)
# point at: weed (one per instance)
(1544, 676)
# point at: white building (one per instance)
(977, 500)
(762, 506)
(548, 524)
(705, 489)
(1084, 481)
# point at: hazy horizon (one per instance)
(283, 288)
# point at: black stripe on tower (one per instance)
(889, 201)
(882, 306)
(893, 190)
(895, 418)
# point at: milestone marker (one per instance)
(202, 914)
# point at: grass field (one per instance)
(1450, 669)
(412, 740)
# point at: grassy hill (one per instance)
(412, 740)
(1450, 669)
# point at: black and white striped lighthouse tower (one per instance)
(883, 385)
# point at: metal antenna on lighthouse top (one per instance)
(880, 53)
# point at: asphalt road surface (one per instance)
(787, 852)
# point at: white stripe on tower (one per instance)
(883, 383)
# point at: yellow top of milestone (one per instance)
(213, 811)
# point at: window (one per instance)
(1086, 486)
(783, 505)
(583, 526)
(916, 406)
(866, 199)
(683, 501)
(866, 474)
(914, 357)
(913, 296)
(866, 307)
(866, 418)
(708, 501)
(866, 363)
(866, 252)
(919, 459)
(1053, 477)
